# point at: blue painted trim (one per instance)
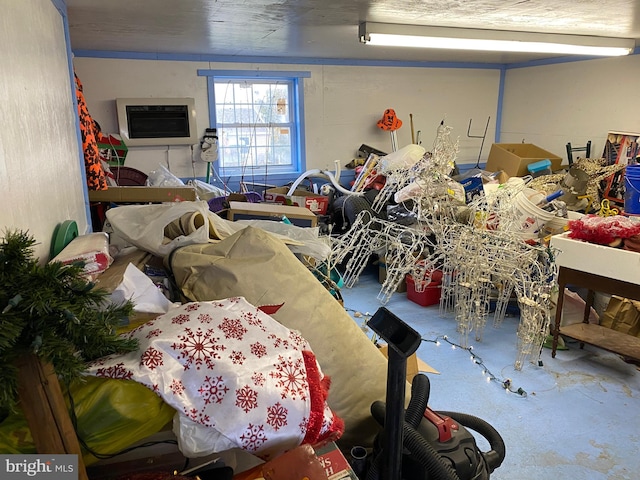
(275, 178)
(299, 121)
(500, 104)
(62, 8)
(395, 63)
(280, 60)
(254, 73)
(326, 61)
(233, 183)
(138, 55)
(557, 60)
(549, 61)
(467, 167)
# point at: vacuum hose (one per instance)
(428, 457)
(420, 391)
(421, 449)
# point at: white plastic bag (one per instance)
(196, 440)
(162, 177)
(206, 190)
(140, 289)
(403, 159)
(144, 225)
(161, 228)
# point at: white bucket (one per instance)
(555, 226)
(531, 219)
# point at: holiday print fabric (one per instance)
(229, 366)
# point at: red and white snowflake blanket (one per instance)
(234, 374)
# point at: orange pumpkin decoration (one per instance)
(389, 120)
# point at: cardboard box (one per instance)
(301, 198)
(513, 158)
(622, 315)
(143, 194)
(334, 462)
(113, 276)
(299, 216)
(414, 364)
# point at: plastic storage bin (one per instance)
(543, 167)
(429, 296)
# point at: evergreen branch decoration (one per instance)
(54, 312)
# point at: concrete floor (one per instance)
(579, 418)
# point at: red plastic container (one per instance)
(429, 296)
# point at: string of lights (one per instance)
(476, 359)
(505, 383)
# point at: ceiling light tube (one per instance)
(491, 40)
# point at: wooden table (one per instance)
(100, 200)
(593, 334)
(134, 194)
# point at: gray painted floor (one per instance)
(578, 420)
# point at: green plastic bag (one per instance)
(15, 436)
(112, 415)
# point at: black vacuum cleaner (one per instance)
(419, 443)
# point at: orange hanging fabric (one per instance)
(96, 178)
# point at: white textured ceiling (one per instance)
(328, 29)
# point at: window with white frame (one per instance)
(257, 116)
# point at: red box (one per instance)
(429, 296)
(318, 204)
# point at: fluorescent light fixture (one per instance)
(395, 35)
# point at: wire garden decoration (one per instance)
(476, 244)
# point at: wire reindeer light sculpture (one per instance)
(477, 245)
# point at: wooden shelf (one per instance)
(596, 335)
(134, 194)
(605, 338)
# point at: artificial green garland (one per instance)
(54, 312)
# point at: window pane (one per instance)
(255, 123)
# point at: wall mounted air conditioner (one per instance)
(157, 121)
